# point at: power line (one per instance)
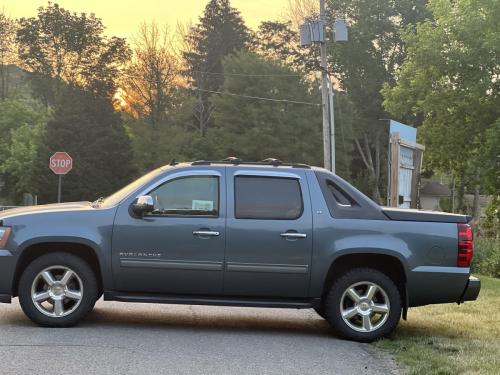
(257, 97)
(248, 75)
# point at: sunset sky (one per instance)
(123, 17)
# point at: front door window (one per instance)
(187, 196)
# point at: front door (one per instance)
(179, 248)
(269, 234)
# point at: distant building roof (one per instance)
(435, 189)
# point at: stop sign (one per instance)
(60, 163)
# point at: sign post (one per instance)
(60, 163)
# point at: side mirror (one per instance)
(143, 205)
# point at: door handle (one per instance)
(205, 233)
(293, 235)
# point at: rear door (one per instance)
(269, 233)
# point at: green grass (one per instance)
(451, 339)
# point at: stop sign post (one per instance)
(60, 163)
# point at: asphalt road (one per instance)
(120, 338)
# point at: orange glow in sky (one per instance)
(122, 18)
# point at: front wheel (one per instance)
(57, 290)
(363, 305)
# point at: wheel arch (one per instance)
(83, 249)
(389, 264)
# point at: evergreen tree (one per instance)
(280, 41)
(219, 32)
(91, 131)
(254, 129)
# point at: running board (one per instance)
(304, 303)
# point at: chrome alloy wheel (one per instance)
(57, 291)
(364, 306)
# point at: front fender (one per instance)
(92, 229)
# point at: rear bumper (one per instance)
(471, 290)
(5, 298)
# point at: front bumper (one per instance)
(471, 290)
(7, 268)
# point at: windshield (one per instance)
(121, 194)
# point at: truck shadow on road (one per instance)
(198, 318)
(149, 318)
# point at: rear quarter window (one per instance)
(339, 195)
(346, 202)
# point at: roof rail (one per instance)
(272, 161)
(236, 161)
(233, 160)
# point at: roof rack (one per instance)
(237, 161)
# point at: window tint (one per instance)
(197, 195)
(339, 195)
(267, 198)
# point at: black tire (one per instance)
(360, 276)
(86, 277)
(321, 311)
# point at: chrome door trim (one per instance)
(172, 264)
(261, 267)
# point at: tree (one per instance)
(170, 140)
(21, 125)
(298, 11)
(59, 46)
(490, 159)
(7, 52)
(449, 79)
(361, 67)
(91, 131)
(258, 129)
(219, 32)
(151, 77)
(278, 41)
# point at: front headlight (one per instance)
(4, 236)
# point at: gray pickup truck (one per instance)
(265, 234)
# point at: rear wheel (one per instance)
(363, 305)
(57, 290)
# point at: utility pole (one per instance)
(311, 32)
(332, 124)
(324, 94)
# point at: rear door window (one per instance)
(268, 198)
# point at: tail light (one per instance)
(465, 245)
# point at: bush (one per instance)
(486, 259)
(490, 224)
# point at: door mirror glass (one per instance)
(144, 205)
